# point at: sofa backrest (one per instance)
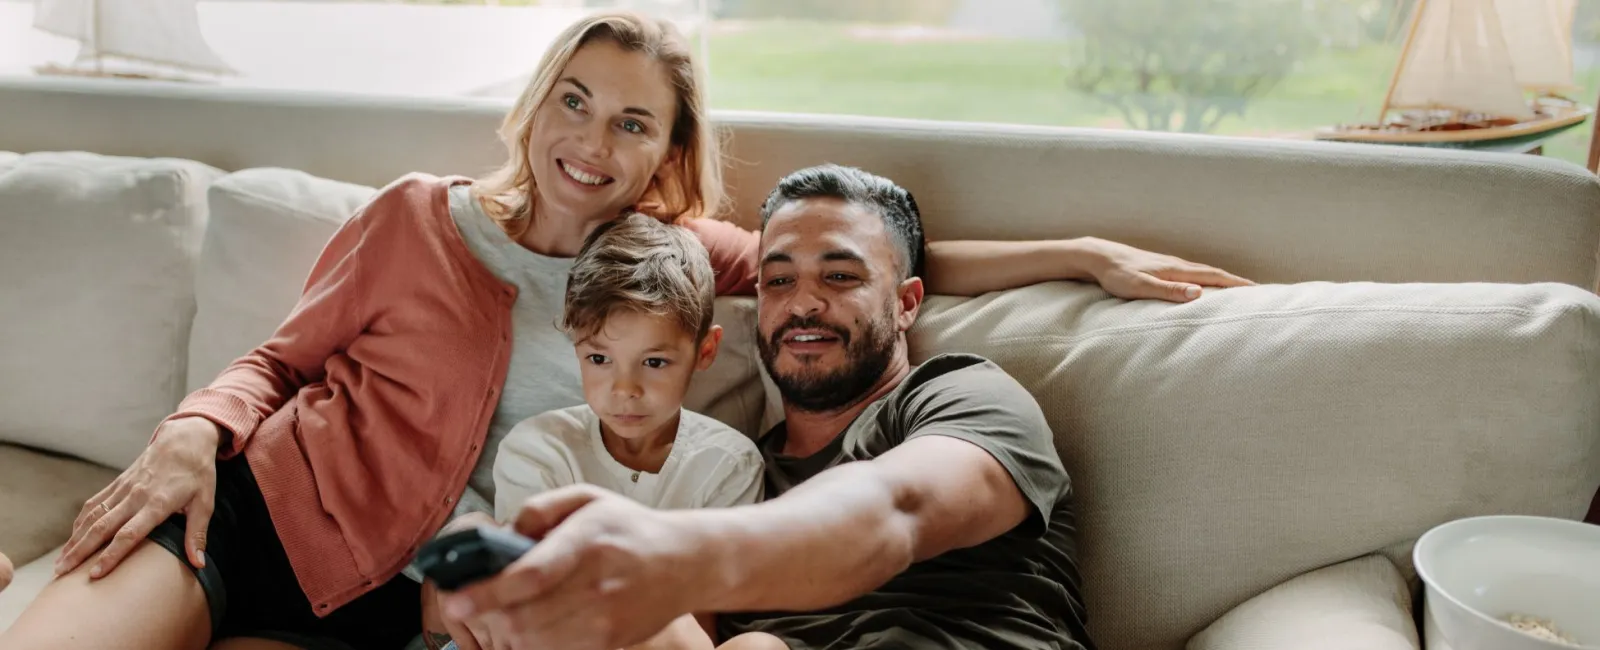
(1273, 210)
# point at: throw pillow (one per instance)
(1362, 604)
(98, 257)
(267, 228)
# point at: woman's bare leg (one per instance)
(683, 633)
(152, 600)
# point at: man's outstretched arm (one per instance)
(609, 572)
(852, 528)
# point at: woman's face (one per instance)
(602, 134)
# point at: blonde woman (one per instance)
(278, 507)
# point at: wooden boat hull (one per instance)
(57, 70)
(1515, 137)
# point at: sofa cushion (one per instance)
(1362, 604)
(1220, 447)
(98, 255)
(40, 495)
(267, 228)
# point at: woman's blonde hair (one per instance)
(689, 186)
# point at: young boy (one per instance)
(638, 309)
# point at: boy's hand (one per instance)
(607, 573)
(469, 520)
(438, 629)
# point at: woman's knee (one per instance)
(754, 641)
(252, 644)
(151, 601)
(6, 571)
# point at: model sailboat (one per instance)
(152, 39)
(1478, 74)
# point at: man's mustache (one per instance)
(808, 323)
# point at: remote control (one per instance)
(461, 558)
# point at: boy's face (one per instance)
(636, 370)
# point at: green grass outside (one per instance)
(820, 68)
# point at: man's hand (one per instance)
(606, 573)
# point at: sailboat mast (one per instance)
(94, 37)
(1405, 51)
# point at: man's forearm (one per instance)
(970, 268)
(832, 538)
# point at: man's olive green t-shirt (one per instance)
(1019, 590)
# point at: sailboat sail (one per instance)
(1458, 60)
(1538, 35)
(162, 32)
(72, 19)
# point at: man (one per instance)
(906, 507)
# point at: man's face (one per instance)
(832, 304)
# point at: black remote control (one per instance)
(461, 558)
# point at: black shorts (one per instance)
(251, 588)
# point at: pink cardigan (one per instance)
(364, 414)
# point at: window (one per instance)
(1266, 68)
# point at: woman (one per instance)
(425, 330)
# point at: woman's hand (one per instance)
(1135, 274)
(176, 473)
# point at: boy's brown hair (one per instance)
(639, 264)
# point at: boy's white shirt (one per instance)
(711, 465)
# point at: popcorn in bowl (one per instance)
(1510, 582)
(1539, 628)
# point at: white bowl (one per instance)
(1481, 570)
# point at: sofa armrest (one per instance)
(1362, 604)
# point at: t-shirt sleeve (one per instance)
(983, 405)
(733, 254)
(530, 461)
(734, 481)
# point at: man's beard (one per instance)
(817, 391)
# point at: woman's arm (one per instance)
(332, 310)
(970, 268)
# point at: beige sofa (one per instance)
(1252, 469)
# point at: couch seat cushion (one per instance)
(40, 495)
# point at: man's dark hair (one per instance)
(892, 202)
